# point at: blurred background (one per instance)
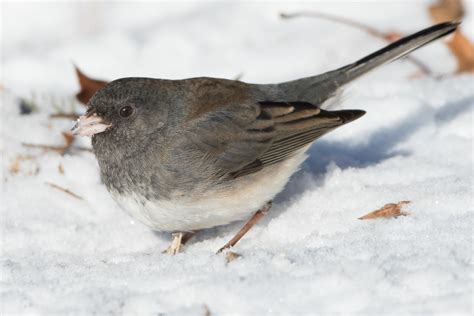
(188, 39)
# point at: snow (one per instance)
(310, 255)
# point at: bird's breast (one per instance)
(235, 200)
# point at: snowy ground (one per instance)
(311, 254)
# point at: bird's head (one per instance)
(124, 114)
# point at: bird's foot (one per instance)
(252, 221)
(176, 244)
(179, 240)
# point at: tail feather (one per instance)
(400, 48)
(319, 88)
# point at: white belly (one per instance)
(239, 201)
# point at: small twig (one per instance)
(64, 190)
(334, 18)
(389, 37)
(68, 139)
(71, 116)
(58, 149)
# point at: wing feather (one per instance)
(296, 129)
(228, 133)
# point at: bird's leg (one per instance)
(179, 240)
(187, 236)
(252, 221)
(175, 244)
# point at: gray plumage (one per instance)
(187, 137)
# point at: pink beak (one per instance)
(89, 124)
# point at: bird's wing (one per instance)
(296, 124)
(243, 138)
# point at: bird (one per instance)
(185, 155)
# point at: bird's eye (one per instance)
(126, 111)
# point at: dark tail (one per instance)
(399, 49)
(319, 88)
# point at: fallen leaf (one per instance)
(463, 50)
(392, 36)
(231, 256)
(387, 211)
(68, 138)
(16, 166)
(88, 86)
(447, 10)
(461, 47)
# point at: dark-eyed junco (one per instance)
(185, 155)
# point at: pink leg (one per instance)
(252, 221)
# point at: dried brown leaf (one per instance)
(61, 115)
(88, 86)
(68, 138)
(231, 256)
(392, 36)
(463, 50)
(15, 166)
(461, 47)
(447, 10)
(388, 211)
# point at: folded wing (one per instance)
(238, 140)
(297, 124)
